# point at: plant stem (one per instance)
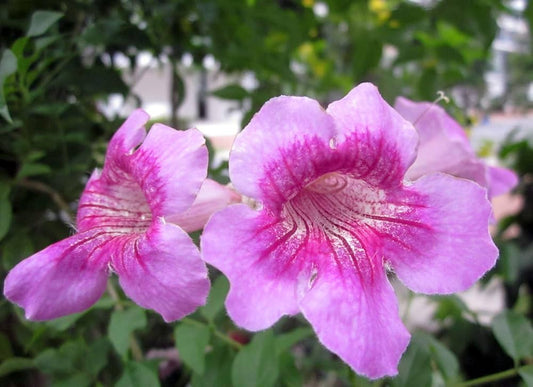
(489, 378)
(227, 339)
(217, 333)
(54, 195)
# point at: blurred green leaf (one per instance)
(450, 306)
(138, 375)
(41, 21)
(96, 357)
(217, 368)
(15, 364)
(33, 169)
(427, 84)
(191, 341)
(65, 322)
(60, 361)
(5, 347)
(8, 65)
(78, 379)
(509, 262)
(286, 340)
(5, 218)
(121, 326)
(526, 373)
(256, 364)
(289, 373)
(514, 333)
(215, 301)
(16, 247)
(445, 359)
(233, 92)
(415, 367)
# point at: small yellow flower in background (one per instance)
(380, 8)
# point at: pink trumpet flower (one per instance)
(123, 227)
(333, 214)
(444, 147)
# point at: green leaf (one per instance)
(527, 374)
(59, 361)
(445, 359)
(289, 373)
(215, 301)
(256, 364)
(286, 340)
(5, 347)
(33, 169)
(8, 65)
(192, 341)
(427, 83)
(79, 379)
(122, 324)
(41, 21)
(16, 247)
(415, 366)
(514, 333)
(96, 357)
(450, 306)
(5, 218)
(217, 368)
(509, 262)
(138, 375)
(15, 364)
(233, 92)
(65, 322)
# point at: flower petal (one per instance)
(235, 240)
(443, 147)
(279, 151)
(170, 167)
(501, 180)
(442, 244)
(130, 134)
(66, 277)
(120, 206)
(211, 198)
(356, 317)
(161, 270)
(380, 143)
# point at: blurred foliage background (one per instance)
(57, 68)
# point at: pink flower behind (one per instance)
(122, 226)
(444, 147)
(333, 214)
